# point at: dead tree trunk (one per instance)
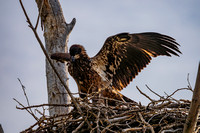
(191, 121)
(56, 32)
(1, 129)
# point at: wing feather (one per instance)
(124, 55)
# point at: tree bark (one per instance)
(191, 121)
(1, 129)
(56, 32)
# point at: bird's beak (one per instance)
(61, 57)
(72, 58)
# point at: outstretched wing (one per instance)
(124, 55)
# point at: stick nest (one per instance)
(164, 115)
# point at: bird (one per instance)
(117, 63)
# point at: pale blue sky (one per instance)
(21, 56)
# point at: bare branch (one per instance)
(26, 109)
(177, 91)
(70, 26)
(154, 92)
(23, 88)
(42, 105)
(39, 14)
(145, 95)
(189, 85)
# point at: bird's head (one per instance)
(77, 51)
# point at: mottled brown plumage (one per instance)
(120, 59)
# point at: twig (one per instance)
(23, 88)
(42, 105)
(169, 126)
(26, 109)
(170, 96)
(107, 128)
(118, 119)
(145, 95)
(189, 85)
(97, 122)
(165, 116)
(171, 130)
(132, 129)
(177, 91)
(146, 123)
(197, 129)
(39, 14)
(36, 110)
(30, 128)
(153, 116)
(161, 97)
(79, 127)
(162, 105)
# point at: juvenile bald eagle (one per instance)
(120, 59)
